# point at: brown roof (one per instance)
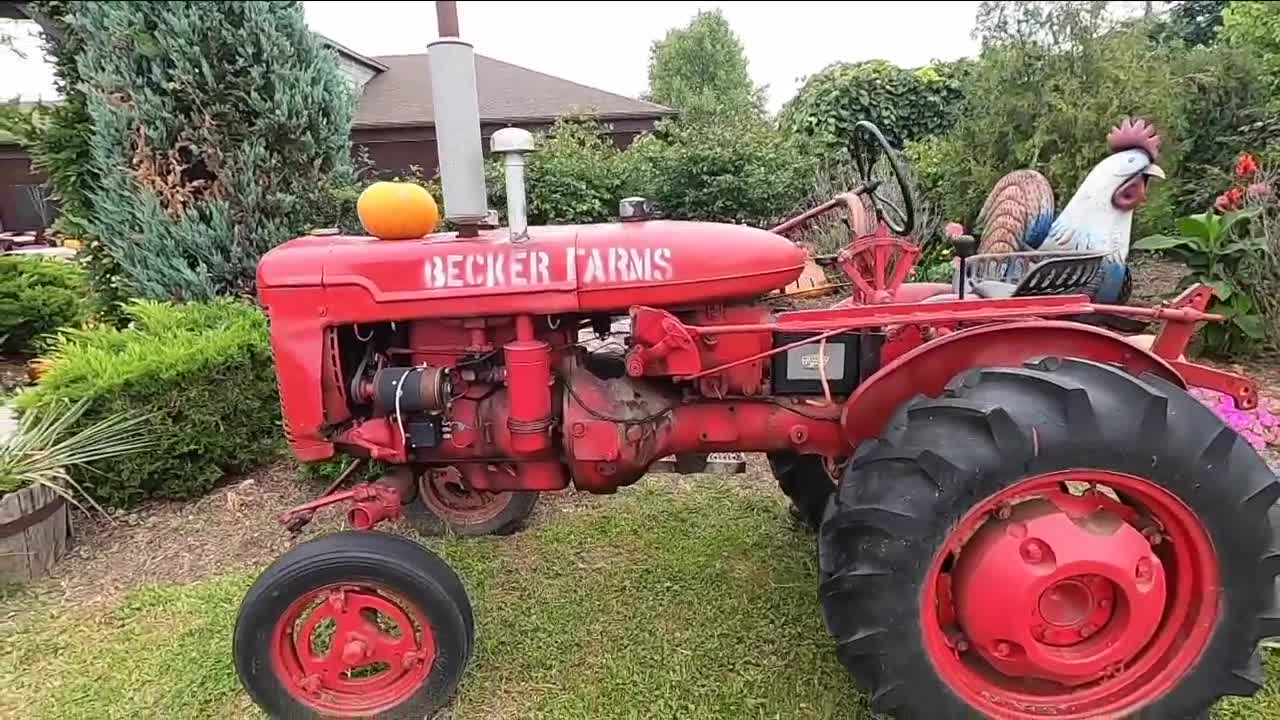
(401, 95)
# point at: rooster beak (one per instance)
(1154, 170)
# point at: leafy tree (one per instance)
(1255, 27)
(218, 131)
(701, 70)
(904, 104)
(1194, 22)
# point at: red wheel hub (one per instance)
(353, 650)
(1036, 593)
(1047, 603)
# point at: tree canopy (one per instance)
(701, 70)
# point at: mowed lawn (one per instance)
(672, 600)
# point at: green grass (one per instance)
(688, 603)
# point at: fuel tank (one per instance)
(559, 269)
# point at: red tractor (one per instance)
(1020, 515)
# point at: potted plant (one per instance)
(36, 484)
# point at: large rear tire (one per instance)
(804, 480)
(1060, 540)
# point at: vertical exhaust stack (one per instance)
(457, 117)
(513, 143)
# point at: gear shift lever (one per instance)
(965, 246)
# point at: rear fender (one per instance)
(927, 369)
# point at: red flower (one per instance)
(1246, 166)
(1229, 200)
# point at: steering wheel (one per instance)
(902, 219)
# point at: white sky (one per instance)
(606, 44)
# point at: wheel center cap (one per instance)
(1066, 603)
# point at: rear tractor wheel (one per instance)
(354, 625)
(444, 505)
(1061, 540)
(805, 481)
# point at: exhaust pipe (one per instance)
(457, 117)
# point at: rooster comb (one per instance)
(1135, 133)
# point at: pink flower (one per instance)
(1229, 200)
(953, 230)
(1258, 191)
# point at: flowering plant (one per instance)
(1259, 427)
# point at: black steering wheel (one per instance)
(900, 219)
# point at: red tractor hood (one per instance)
(564, 268)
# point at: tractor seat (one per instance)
(1033, 274)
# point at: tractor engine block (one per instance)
(520, 404)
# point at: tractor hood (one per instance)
(567, 268)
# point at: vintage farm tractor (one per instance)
(1019, 515)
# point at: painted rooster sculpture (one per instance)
(1018, 215)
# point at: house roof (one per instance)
(401, 95)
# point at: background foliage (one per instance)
(38, 296)
(1255, 26)
(905, 104)
(203, 371)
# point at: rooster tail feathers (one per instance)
(1017, 214)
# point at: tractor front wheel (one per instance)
(444, 505)
(1060, 540)
(354, 625)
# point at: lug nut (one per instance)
(1153, 536)
(1144, 571)
(1003, 649)
(354, 652)
(1032, 551)
(1087, 631)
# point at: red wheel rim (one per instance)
(1077, 594)
(444, 494)
(352, 650)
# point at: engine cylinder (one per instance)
(529, 385)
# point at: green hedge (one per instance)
(203, 372)
(38, 296)
(905, 104)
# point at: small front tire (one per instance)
(354, 625)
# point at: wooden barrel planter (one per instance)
(35, 526)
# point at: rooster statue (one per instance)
(1018, 215)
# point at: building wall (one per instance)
(18, 212)
(356, 74)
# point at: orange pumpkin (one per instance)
(397, 211)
